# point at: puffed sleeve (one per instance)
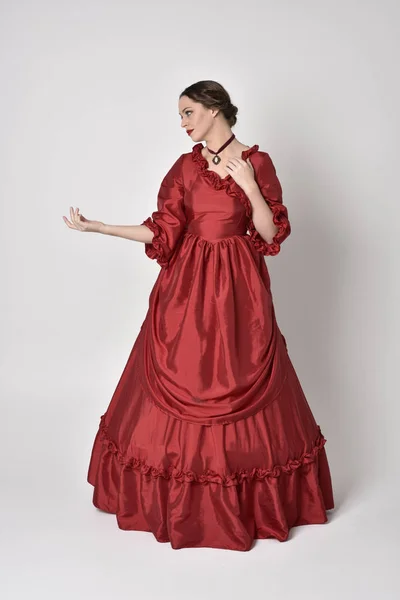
(271, 190)
(168, 221)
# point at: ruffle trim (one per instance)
(229, 184)
(155, 249)
(209, 476)
(216, 180)
(279, 216)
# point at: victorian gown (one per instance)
(208, 440)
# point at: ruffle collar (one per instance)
(212, 177)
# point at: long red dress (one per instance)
(208, 440)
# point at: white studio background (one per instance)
(89, 118)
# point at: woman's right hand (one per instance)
(79, 222)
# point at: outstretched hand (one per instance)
(79, 222)
(242, 171)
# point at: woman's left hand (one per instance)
(242, 172)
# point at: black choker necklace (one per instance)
(216, 158)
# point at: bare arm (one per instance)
(262, 214)
(138, 233)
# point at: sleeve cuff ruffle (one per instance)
(157, 248)
(280, 218)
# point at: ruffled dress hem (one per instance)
(236, 508)
(209, 476)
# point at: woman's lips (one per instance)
(189, 131)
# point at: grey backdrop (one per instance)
(89, 118)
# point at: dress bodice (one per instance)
(197, 202)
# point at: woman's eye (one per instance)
(188, 111)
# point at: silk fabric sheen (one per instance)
(208, 440)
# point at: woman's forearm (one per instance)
(262, 215)
(137, 233)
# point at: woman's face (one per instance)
(195, 118)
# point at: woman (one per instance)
(208, 440)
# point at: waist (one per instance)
(215, 231)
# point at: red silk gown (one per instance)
(208, 440)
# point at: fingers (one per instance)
(239, 161)
(250, 165)
(70, 225)
(72, 215)
(75, 217)
(235, 163)
(231, 165)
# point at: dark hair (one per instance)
(212, 95)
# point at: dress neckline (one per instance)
(214, 178)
